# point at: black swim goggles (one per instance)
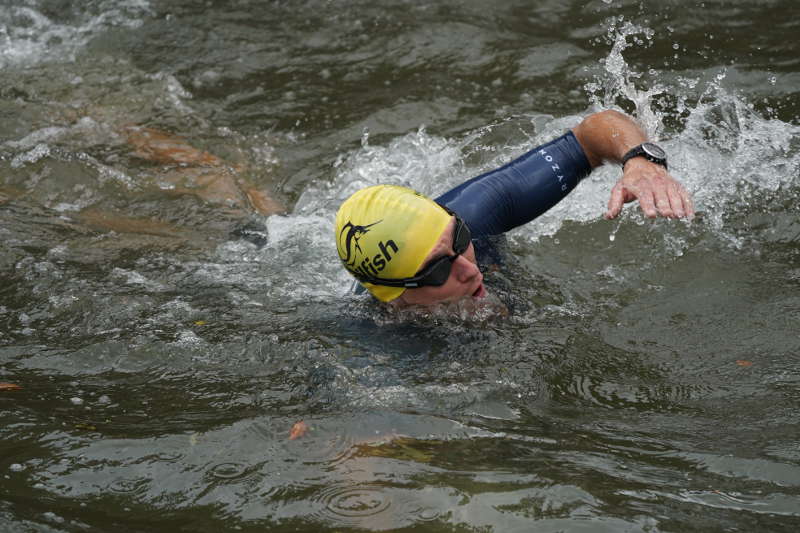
(437, 272)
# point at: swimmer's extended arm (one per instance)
(519, 191)
(607, 136)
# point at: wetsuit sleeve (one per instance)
(521, 190)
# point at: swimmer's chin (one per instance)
(478, 294)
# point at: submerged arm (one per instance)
(608, 136)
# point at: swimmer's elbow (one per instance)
(606, 135)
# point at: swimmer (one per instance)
(407, 249)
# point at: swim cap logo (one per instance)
(354, 259)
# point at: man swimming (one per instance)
(410, 250)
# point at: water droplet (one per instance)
(76, 401)
(16, 467)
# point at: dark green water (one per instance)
(165, 340)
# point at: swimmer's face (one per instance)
(465, 281)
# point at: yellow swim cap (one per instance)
(387, 231)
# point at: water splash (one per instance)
(616, 82)
(417, 160)
(28, 36)
(724, 141)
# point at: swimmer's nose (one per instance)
(464, 269)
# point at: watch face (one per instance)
(654, 151)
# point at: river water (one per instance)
(164, 336)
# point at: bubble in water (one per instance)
(76, 401)
(16, 467)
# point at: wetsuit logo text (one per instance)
(555, 167)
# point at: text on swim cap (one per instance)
(353, 259)
(372, 268)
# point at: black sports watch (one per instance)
(651, 152)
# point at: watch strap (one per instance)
(639, 151)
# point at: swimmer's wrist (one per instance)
(647, 151)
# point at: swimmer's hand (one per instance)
(658, 192)
(607, 136)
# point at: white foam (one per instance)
(28, 37)
(417, 160)
(724, 143)
(131, 277)
(33, 155)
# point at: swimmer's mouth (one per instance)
(480, 292)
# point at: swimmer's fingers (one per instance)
(615, 202)
(658, 192)
(688, 205)
(675, 201)
(680, 200)
(662, 200)
(648, 202)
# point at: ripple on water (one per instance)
(771, 504)
(167, 457)
(376, 506)
(228, 471)
(353, 505)
(129, 485)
